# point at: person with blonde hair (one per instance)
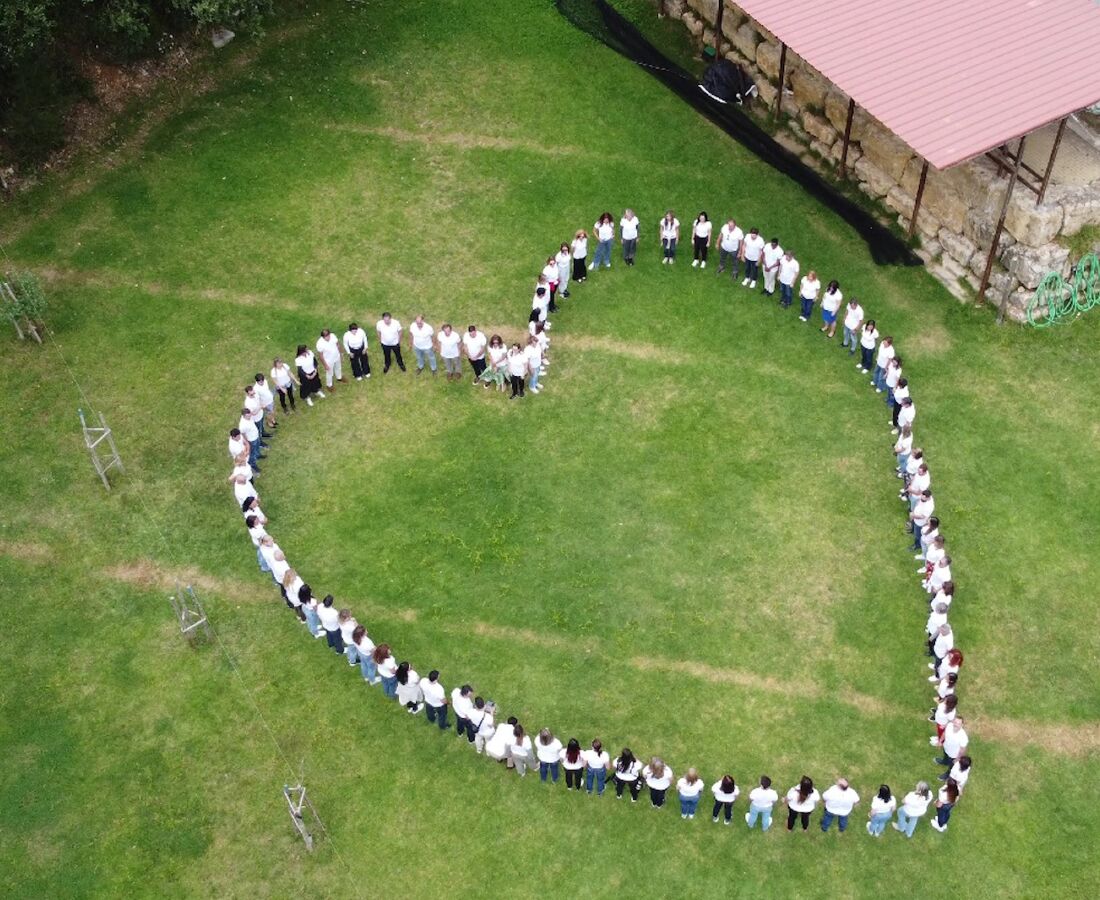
(689, 787)
(579, 249)
(657, 777)
(548, 750)
(628, 234)
(913, 806)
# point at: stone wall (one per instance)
(960, 205)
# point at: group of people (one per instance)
(590, 768)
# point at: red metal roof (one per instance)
(951, 78)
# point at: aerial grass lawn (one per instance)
(689, 543)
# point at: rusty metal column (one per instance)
(847, 139)
(1000, 227)
(917, 199)
(1050, 162)
(782, 79)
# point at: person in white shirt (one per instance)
(435, 700)
(903, 447)
(267, 399)
(564, 259)
(931, 552)
(496, 371)
(700, 240)
(604, 230)
(579, 250)
(389, 336)
(919, 516)
(386, 666)
(500, 742)
(689, 787)
(773, 253)
(517, 370)
(255, 409)
(801, 800)
(868, 337)
(483, 722)
(533, 351)
(883, 805)
(893, 376)
(474, 344)
(251, 434)
(627, 770)
(450, 350)
(913, 806)
(725, 792)
(572, 760)
(462, 702)
(408, 688)
(954, 745)
(936, 618)
(945, 802)
(940, 576)
(658, 777)
(237, 444)
(365, 648)
(788, 271)
(830, 304)
(762, 799)
(669, 235)
(355, 346)
(519, 751)
(916, 486)
(257, 532)
(943, 641)
(906, 414)
(597, 761)
(853, 321)
(882, 360)
(960, 771)
(550, 273)
(548, 751)
(309, 380)
(951, 663)
(243, 489)
(752, 247)
(422, 345)
(628, 234)
(347, 629)
(946, 713)
(283, 379)
(330, 621)
(729, 248)
(808, 289)
(329, 350)
(839, 801)
(540, 304)
(309, 607)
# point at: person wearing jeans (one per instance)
(751, 249)
(387, 670)
(788, 272)
(435, 700)
(945, 802)
(853, 320)
(420, 340)
(809, 288)
(365, 646)
(596, 762)
(882, 811)
(882, 360)
(347, 630)
(669, 231)
(839, 801)
(913, 806)
(604, 230)
(729, 248)
(689, 788)
(330, 621)
(761, 801)
(548, 750)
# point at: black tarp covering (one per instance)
(727, 82)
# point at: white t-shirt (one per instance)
(690, 788)
(893, 375)
(807, 805)
(243, 491)
(517, 363)
(253, 404)
(522, 747)
(292, 591)
(629, 227)
(630, 773)
(236, 446)
(922, 511)
(329, 348)
(764, 798)
(533, 352)
(347, 629)
(840, 801)
(955, 742)
(944, 716)
(550, 270)
(307, 362)
(853, 315)
(655, 782)
(264, 395)
(868, 337)
(279, 568)
(595, 760)
(915, 805)
(448, 344)
(919, 482)
(959, 774)
(669, 229)
(434, 694)
(942, 644)
(562, 258)
(830, 302)
(387, 668)
(548, 753)
(329, 616)
(907, 415)
(355, 340)
(721, 796)
(880, 807)
(248, 428)
(935, 620)
(702, 229)
(475, 344)
(772, 255)
(904, 445)
(809, 288)
(754, 246)
(257, 532)
(604, 231)
(463, 706)
(421, 335)
(885, 354)
(731, 238)
(580, 248)
(389, 334)
(365, 645)
(243, 469)
(788, 270)
(281, 376)
(574, 766)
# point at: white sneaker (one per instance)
(321, 394)
(801, 318)
(694, 264)
(893, 431)
(745, 283)
(535, 390)
(752, 284)
(319, 634)
(702, 265)
(877, 390)
(919, 556)
(664, 260)
(367, 375)
(358, 377)
(932, 742)
(868, 827)
(309, 401)
(672, 262)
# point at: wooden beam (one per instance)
(718, 29)
(782, 81)
(1050, 161)
(847, 139)
(1000, 228)
(918, 198)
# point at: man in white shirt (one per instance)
(237, 443)
(907, 413)
(729, 248)
(772, 254)
(942, 642)
(435, 700)
(462, 702)
(936, 619)
(242, 489)
(328, 348)
(389, 336)
(420, 340)
(266, 397)
(474, 343)
(255, 411)
(853, 321)
(788, 272)
(628, 233)
(839, 801)
(920, 482)
(955, 742)
(252, 435)
(751, 249)
(483, 720)
(355, 346)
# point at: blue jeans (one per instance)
(367, 667)
(254, 453)
(264, 567)
(550, 769)
(908, 823)
(352, 653)
(597, 777)
(423, 356)
(389, 687)
(850, 339)
(764, 814)
(534, 380)
(878, 377)
(827, 820)
(903, 458)
(437, 714)
(943, 814)
(878, 823)
(786, 294)
(807, 308)
(669, 246)
(312, 622)
(688, 805)
(603, 254)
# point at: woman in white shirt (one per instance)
(950, 663)
(830, 304)
(604, 230)
(893, 376)
(347, 629)
(564, 259)
(700, 237)
(882, 359)
(500, 742)
(882, 811)
(725, 793)
(597, 762)
(761, 801)
(309, 379)
(309, 609)
(387, 670)
(519, 752)
(627, 770)
(913, 806)
(364, 646)
(946, 711)
(689, 788)
(548, 750)
(669, 234)
(628, 234)
(550, 273)
(945, 802)
(517, 370)
(808, 289)
(657, 777)
(868, 337)
(572, 760)
(409, 694)
(801, 800)
(284, 382)
(496, 371)
(579, 249)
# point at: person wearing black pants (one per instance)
(355, 345)
(658, 778)
(389, 336)
(635, 787)
(517, 370)
(330, 621)
(725, 793)
(627, 770)
(801, 801)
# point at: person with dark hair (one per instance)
(329, 350)
(658, 777)
(954, 744)
(752, 248)
(572, 760)
(548, 751)
(597, 761)
(386, 667)
(945, 713)
(725, 792)
(920, 513)
(330, 621)
(450, 351)
(882, 811)
(519, 752)
(497, 370)
(517, 371)
(435, 700)
(347, 630)
(808, 290)
(801, 800)
(839, 800)
(918, 482)
(627, 770)
(868, 338)
(893, 377)
(500, 742)
(773, 253)
(936, 618)
(389, 336)
(355, 345)
(789, 267)
(628, 234)
(942, 642)
(913, 806)
(729, 248)
(939, 576)
(668, 233)
(945, 802)
(309, 380)
(564, 259)
(882, 361)
(257, 532)
(831, 301)
(604, 230)
(364, 646)
(283, 379)
(474, 344)
(950, 664)
(255, 407)
(945, 688)
(700, 240)
(421, 344)
(310, 607)
(408, 687)
(906, 413)
(761, 801)
(550, 273)
(267, 400)
(579, 250)
(960, 771)
(483, 721)
(237, 444)
(462, 702)
(251, 434)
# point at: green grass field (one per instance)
(689, 543)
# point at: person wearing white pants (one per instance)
(328, 348)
